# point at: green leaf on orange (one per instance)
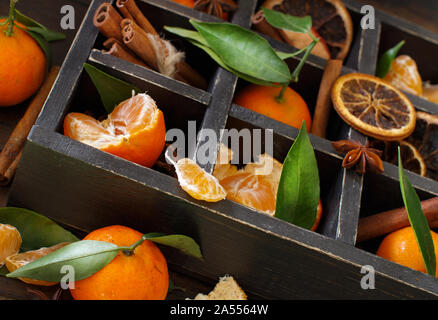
(285, 21)
(86, 257)
(36, 230)
(299, 190)
(35, 26)
(385, 61)
(417, 220)
(112, 91)
(244, 51)
(183, 243)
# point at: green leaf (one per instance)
(43, 44)
(112, 91)
(35, 26)
(86, 257)
(298, 190)
(219, 61)
(183, 243)
(417, 219)
(385, 61)
(36, 230)
(288, 22)
(188, 34)
(244, 51)
(287, 55)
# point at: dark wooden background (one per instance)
(422, 12)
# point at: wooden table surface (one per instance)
(422, 12)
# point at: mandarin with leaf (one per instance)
(290, 109)
(138, 275)
(22, 65)
(401, 247)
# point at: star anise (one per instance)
(216, 8)
(359, 156)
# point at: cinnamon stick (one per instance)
(108, 20)
(11, 152)
(137, 40)
(386, 222)
(131, 11)
(118, 50)
(323, 103)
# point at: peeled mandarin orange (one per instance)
(10, 242)
(292, 110)
(403, 74)
(22, 66)
(198, 183)
(20, 259)
(401, 247)
(135, 130)
(140, 275)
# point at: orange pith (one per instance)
(198, 183)
(140, 276)
(401, 247)
(22, 66)
(135, 130)
(262, 99)
(404, 75)
(21, 259)
(373, 106)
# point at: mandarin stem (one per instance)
(280, 97)
(309, 48)
(130, 250)
(11, 18)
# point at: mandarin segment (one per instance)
(373, 107)
(135, 130)
(198, 183)
(19, 260)
(10, 242)
(403, 74)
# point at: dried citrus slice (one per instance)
(403, 74)
(198, 183)
(10, 242)
(330, 19)
(425, 140)
(18, 260)
(373, 107)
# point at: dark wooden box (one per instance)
(84, 188)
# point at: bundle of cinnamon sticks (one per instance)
(131, 37)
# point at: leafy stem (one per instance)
(309, 49)
(280, 98)
(130, 249)
(11, 18)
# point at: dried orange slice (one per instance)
(10, 242)
(18, 260)
(198, 183)
(135, 130)
(425, 140)
(403, 74)
(330, 19)
(373, 107)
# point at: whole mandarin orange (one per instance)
(142, 275)
(401, 247)
(292, 109)
(22, 66)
